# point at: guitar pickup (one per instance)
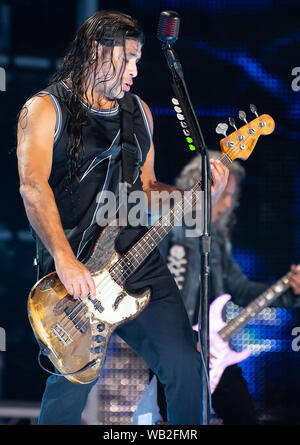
(97, 305)
(74, 314)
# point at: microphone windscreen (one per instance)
(168, 26)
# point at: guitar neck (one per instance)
(137, 254)
(254, 308)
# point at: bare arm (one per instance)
(36, 128)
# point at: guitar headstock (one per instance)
(241, 143)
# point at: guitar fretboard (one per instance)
(250, 311)
(135, 256)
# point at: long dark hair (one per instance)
(79, 66)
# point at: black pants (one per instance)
(161, 335)
(231, 400)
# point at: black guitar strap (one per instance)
(130, 158)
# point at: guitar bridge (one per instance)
(61, 334)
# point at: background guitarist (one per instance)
(231, 399)
(69, 150)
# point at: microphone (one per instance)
(168, 27)
(167, 32)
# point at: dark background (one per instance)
(233, 53)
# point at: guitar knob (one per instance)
(222, 128)
(97, 350)
(242, 116)
(232, 123)
(98, 338)
(253, 109)
(100, 327)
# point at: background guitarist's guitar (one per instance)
(75, 333)
(221, 355)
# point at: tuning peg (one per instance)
(222, 128)
(253, 109)
(232, 123)
(242, 116)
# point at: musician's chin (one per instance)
(120, 94)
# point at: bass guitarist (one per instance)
(69, 151)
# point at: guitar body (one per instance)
(76, 333)
(221, 355)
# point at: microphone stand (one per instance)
(180, 90)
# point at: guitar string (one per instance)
(71, 320)
(231, 151)
(82, 304)
(233, 324)
(110, 285)
(226, 159)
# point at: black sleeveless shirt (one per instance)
(78, 202)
